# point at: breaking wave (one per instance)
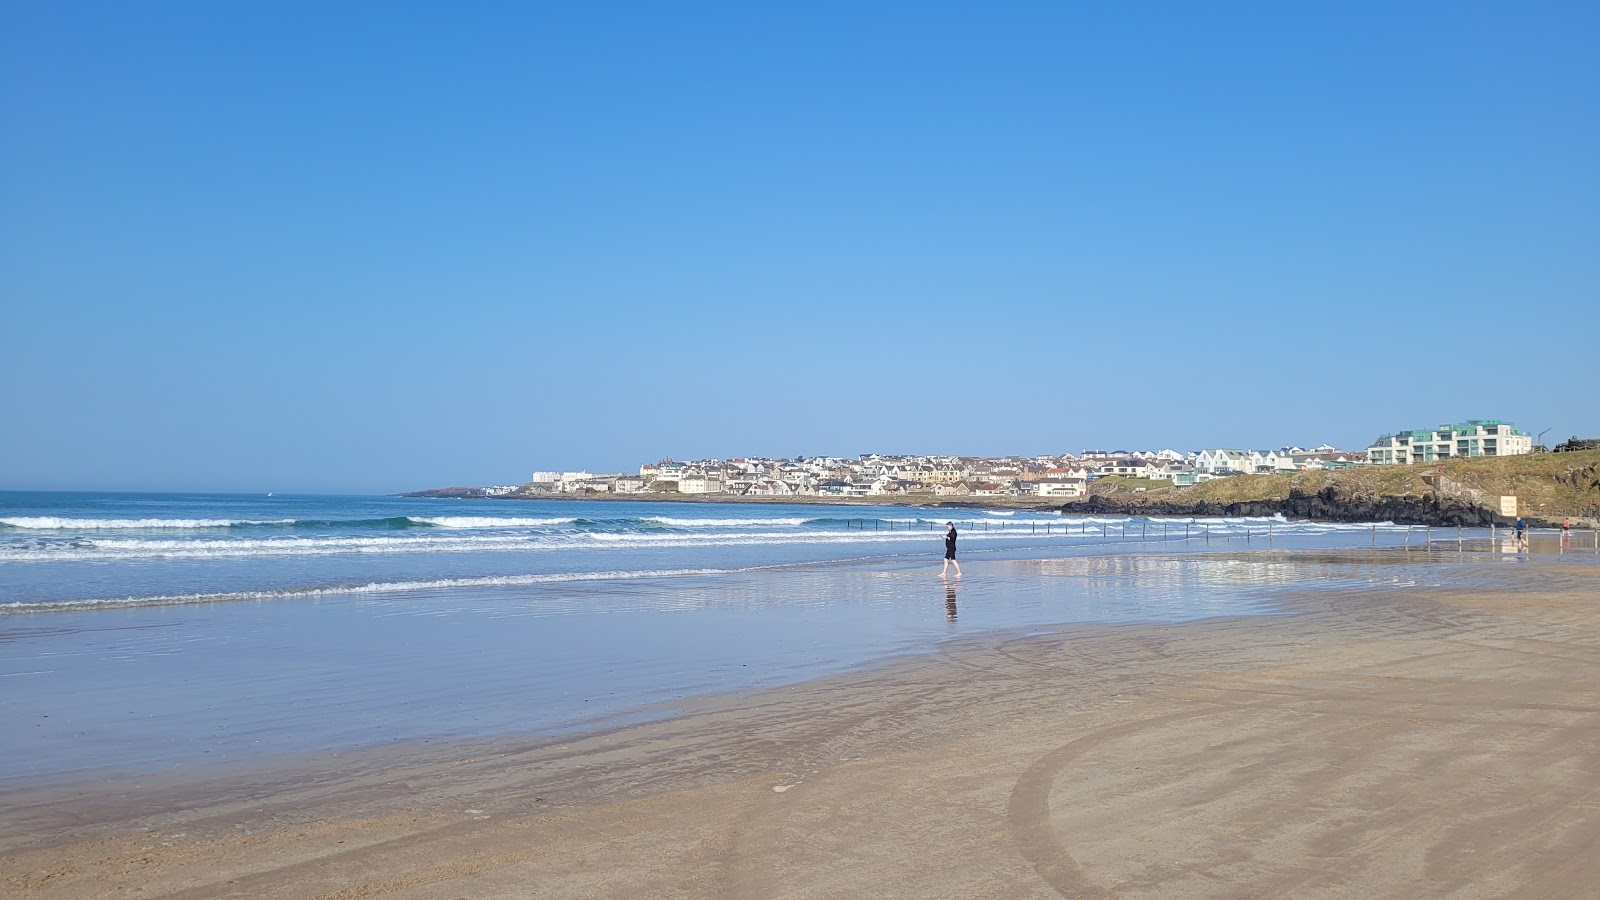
(488, 522)
(673, 522)
(57, 523)
(60, 523)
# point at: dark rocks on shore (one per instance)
(1326, 505)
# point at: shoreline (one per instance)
(1375, 743)
(913, 502)
(1464, 491)
(1325, 506)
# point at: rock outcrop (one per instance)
(1327, 505)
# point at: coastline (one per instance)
(1377, 742)
(915, 501)
(1551, 488)
(1325, 506)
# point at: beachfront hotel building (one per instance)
(1474, 437)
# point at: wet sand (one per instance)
(1387, 742)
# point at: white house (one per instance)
(1127, 468)
(700, 483)
(1067, 472)
(769, 487)
(1173, 472)
(1061, 487)
(1267, 462)
(885, 484)
(858, 488)
(1212, 462)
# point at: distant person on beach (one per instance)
(1566, 532)
(1522, 534)
(950, 550)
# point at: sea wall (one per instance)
(1327, 505)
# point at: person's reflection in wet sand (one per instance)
(949, 602)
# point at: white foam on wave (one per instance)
(57, 523)
(116, 549)
(104, 549)
(488, 521)
(385, 587)
(458, 540)
(672, 522)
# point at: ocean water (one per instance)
(79, 550)
(145, 632)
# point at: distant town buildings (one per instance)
(1474, 437)
(1066, 476)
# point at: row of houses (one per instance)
(1053, 477)
(1065, 476)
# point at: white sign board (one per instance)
(1508, 507)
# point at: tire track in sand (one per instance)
(1028, 811)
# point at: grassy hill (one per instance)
(1549, 486)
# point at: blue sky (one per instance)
(376, 247)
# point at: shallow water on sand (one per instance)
(152, 632)
(168, 687)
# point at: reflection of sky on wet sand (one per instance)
(154, 687)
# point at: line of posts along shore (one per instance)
(1567, 540)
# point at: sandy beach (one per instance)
(1383, 742)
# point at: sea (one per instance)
(161, 632)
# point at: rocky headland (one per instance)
(1330, 504)
(1550, 488)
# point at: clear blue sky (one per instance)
(383, 246)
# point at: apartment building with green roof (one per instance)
(1474, 437)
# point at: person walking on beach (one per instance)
(1522, 534)
(950, 550)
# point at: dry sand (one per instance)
(1396, 743)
